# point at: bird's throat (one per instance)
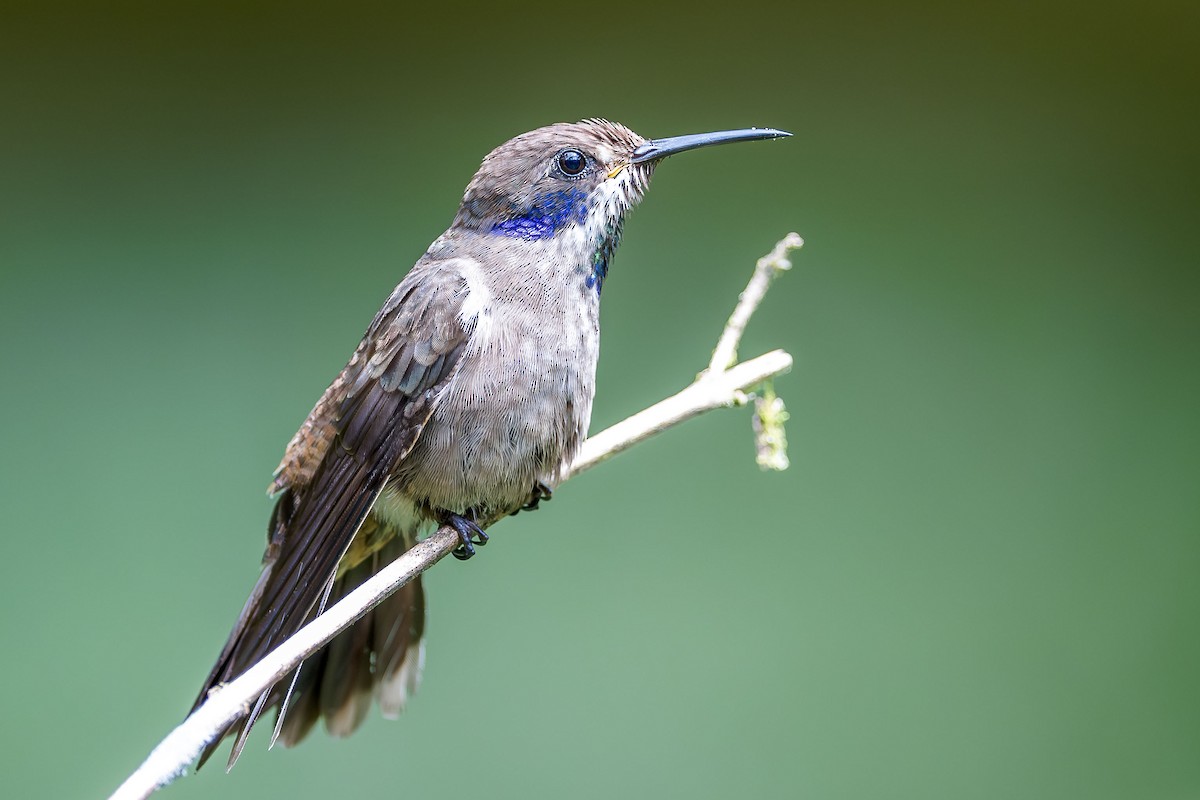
(586, 232)
(549, 214)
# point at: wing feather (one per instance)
(342, 457)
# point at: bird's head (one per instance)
(573, 182)
(542, 182)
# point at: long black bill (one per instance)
(661, 148)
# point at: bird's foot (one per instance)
(469, 535)
(537, 494)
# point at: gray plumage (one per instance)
(471, 389)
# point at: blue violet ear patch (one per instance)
(549, 214)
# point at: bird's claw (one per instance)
(469, 535)
(537, 494)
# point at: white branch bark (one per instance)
(725, 354)
(722, 384)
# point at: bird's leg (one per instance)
(537, 494)
(469, 534)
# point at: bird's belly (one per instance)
(514, 415)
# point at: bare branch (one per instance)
(183, 745)
(725, 354)
(722, 384)
(712, 390)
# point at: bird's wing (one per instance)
(367, 421)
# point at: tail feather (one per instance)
(303, 708)
(346, 678)
(380, 656)
(399, 641)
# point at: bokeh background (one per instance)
(979, 578)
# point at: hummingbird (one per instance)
(467, 398)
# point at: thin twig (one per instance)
(725, 353)
(715, 390)
(717, 387)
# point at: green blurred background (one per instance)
(979, 578)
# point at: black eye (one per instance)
(571, 162)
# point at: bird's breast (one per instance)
(519, 404)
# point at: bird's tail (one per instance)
(381, 656)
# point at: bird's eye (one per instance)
(571, 162)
